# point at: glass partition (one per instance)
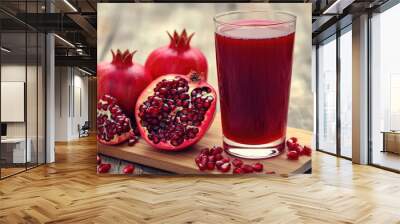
(385, 89)
(14, 155)
(22, 91)
(346, 93)
(326, 136)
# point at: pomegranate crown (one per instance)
(122, 58)
(180, 41)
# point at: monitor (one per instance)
(3, 129)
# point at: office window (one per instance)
(327, 96)
(346, 93)
(385, 89)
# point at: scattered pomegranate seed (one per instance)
(216, 150)
(219, 163)
(132, 142)
(225, 167)
(291, 143)
(247, 168)
(210, 165)
(104, 168)
(292, 155)
(198, 158)
(211, 159)
(205, 151)
(298, 148)
(128, 169)
(218, 157)
(293, 139)
(258, 167)
(238, 170)
(237, 163)
(202, 166)
(293, 146)
(226, 160)
(307, 150)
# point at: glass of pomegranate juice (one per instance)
(254, 52)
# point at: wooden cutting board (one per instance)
(183, 162)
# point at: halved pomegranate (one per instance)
(175, 111)
(113, 126)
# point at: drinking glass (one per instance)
(254, 52)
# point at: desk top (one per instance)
(13, 140)
(391, 132)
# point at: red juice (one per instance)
(254, 73)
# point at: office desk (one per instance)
(13, 150)
(391, 141)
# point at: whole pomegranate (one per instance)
(122, 79)
(175, 111)
(113, 126)
(177, 58)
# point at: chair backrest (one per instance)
(86, 125)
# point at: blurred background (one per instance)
(143, 27)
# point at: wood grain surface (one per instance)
(183, 162)
(70, 191)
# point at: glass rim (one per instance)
(291, 18)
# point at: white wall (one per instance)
(70, 83)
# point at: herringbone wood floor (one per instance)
(69, 191)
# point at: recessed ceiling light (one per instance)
(338, 6)
(70, 5)
(64, 40)
(84, 71)
(5, 50)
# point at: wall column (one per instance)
(360, 90)
(50, 92)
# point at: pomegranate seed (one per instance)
(128, 169)
(226, 160)
(219, 163)
(225, 167)
(198, 158)
(307, 150)
(258, 167)
(210, 165)
(211, 159)
(218, 157)
(216, 150)
(104, 168)
(292, 146)
(238, 170)
(293, 139)
(298, 148)
(205, 151)
(132, 142)
(247, 168)
(204, 159)
(237, 163)
(292, 155)
(202, 166)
